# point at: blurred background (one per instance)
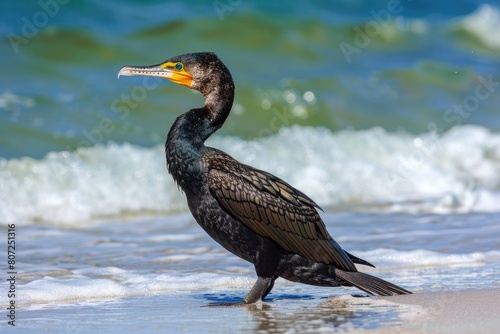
(380, 102)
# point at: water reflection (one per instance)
(309, 314)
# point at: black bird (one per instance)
(251, 213)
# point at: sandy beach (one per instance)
(469, 311)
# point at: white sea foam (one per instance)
(425, 258)
(458, 171)
(89, 183)
(111, 283)
(11, 101)
(51, 289)
(94, 283)
(484, 24)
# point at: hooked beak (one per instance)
(166, 70)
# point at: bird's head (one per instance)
(201, 71)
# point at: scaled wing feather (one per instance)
(272, 208)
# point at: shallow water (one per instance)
(156, 273)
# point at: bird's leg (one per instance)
(266, 264)
(260, 290)
(270, 287)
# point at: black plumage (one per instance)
(252, 213)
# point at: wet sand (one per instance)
(470, 311)
(423, 312)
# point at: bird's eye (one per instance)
(178, 66)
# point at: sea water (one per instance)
(165, 274)
(398, 143)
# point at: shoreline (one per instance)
(469, 311)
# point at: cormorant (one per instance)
(251, 213)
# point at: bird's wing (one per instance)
(272, 208)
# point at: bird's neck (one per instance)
(185, 142)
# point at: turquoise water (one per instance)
(59, 82)
(386, 116)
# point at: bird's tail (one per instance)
(370, 284)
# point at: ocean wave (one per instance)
(387, 258)
(457, 171)
(484, 25)
(111, 282)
